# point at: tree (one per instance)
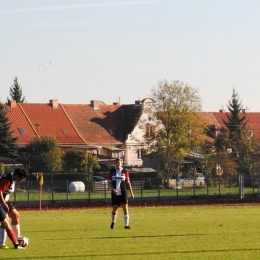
(53, 160)
(234, 106)
(246, 147)
(7, 141)
(172, 123)
(16, 92)
(228, 138)
(223, 142)
(79, 160)
(43, 153)
(237, 137)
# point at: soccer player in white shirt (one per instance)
(119, 179)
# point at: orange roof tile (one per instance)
(73, 124)
(103, 124)
(44, 120)
(97, 123)
(252, 118)
(19, 120)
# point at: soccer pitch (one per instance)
(179, 232)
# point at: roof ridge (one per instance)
(215, 119)
(73, 124)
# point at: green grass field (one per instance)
(186, 232)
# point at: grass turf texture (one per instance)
(191, 232)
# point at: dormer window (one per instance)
(21, 131)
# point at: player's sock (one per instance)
(2, 236)
(126, 220)
(12, 236)
(16, 229)
(114, 218)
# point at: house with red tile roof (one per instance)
(105, 130)
(31, 119)
(102, 129)
(216, 121)
(106, 127)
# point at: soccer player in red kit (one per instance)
(118, 179)
(6, 182)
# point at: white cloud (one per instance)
(50, 8)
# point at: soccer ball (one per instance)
(23, 241)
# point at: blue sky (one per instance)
(117, 50)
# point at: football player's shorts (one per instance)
(119, 199)
(10, 205)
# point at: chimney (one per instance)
(94, 104)
(54, 103)
(12, 103)
(245, 110)
(138, 102)
(223, 110)
(116, 103)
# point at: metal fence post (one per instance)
(67, 191)
(52, 191)
(28, 191)
(141, 187)
(177, 187)
(105, 190)
(241, 186)
(258, 189)
(158, 178)
(194, 186)
(89, 189)
(207, 183)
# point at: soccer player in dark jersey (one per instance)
(6, 183)
(13, 214)
(119, 179)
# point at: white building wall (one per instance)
(134, 141)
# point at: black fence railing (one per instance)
(144, 189)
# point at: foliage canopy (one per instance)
(173, 123)
(43, 151)
(79, 160)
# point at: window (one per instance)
(150, 130)
(139, 154)
(21, 131)
(229, 150)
